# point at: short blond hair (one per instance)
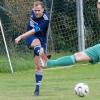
(39, 2)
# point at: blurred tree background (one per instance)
(15, 14)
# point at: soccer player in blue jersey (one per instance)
(91, 54)
(35, 38)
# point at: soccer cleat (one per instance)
(49, 56)
(43, 63)
(36, 93)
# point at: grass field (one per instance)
(58, 84)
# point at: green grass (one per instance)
(58, 84)
(19, 62)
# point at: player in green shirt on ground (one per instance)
(91, 54)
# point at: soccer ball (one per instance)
(81, 89)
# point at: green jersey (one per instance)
(93, 53)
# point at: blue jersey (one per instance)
(42, 23)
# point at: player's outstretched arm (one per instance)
(24, 35)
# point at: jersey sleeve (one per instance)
(28, 25)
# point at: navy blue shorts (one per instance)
(30, 39)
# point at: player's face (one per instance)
(38, 10)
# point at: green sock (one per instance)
(62, 61)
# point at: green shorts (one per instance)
(93, 53)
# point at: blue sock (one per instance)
(38, 77)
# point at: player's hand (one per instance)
(18, 39)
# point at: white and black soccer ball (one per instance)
(81, 89)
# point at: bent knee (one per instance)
(35, 42)
(82, 56)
